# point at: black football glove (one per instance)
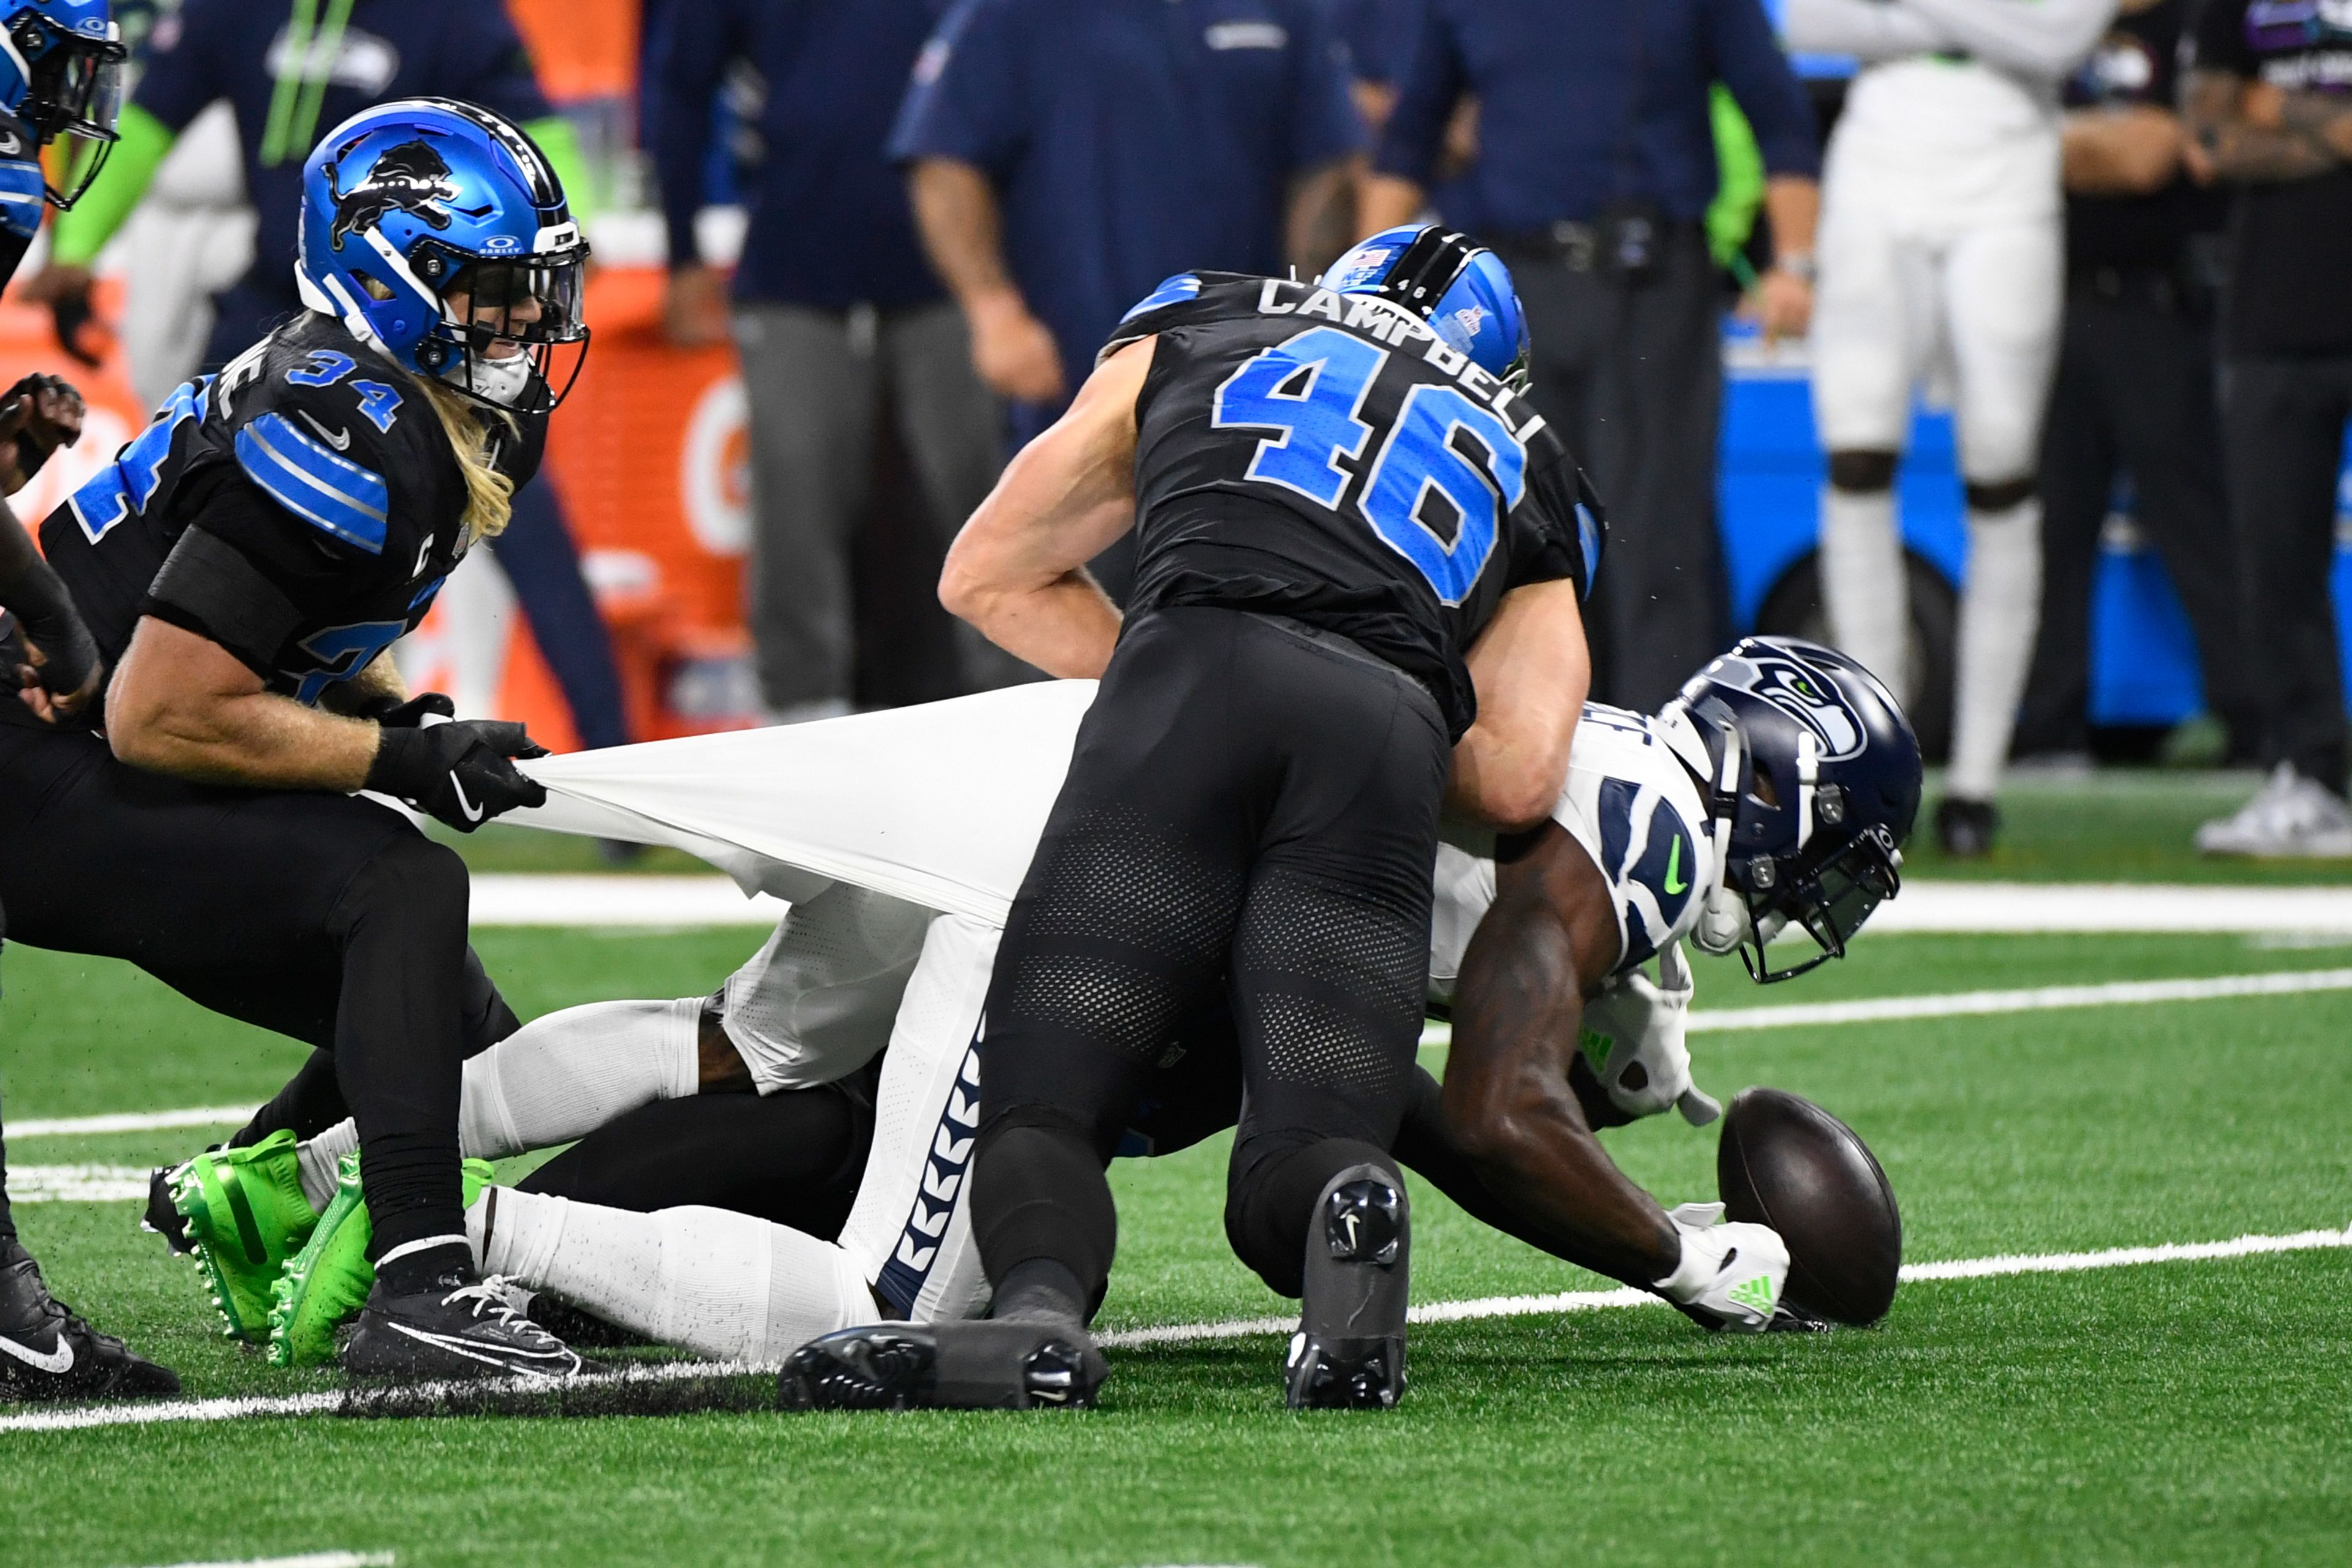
(457, 770)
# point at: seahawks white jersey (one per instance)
(1634, 809)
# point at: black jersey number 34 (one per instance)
(1421, 494)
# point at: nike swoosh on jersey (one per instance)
(473, 813)
(57, 1362)
(1675, 881)
(341, 440)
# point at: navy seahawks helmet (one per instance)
(61, 74)
(1813, 778)
(1459, 286)
(414, 205)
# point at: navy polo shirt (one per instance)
(1128, 140)
(1379, 36)
(391, 48)
(1585, 103)
(830, 225)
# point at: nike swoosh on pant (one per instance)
(57, 1361)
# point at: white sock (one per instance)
(1864, 585)
(321, 1160)
(708, 1280)
(560, 1077)
(1999, 615)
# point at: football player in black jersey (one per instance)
(1360, 553)
(57, 78)
(245, 563)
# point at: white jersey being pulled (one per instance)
(1636, 811)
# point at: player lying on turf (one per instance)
(1775, 792)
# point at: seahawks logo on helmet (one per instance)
(1791, 688)
(410, 178)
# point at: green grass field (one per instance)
(2168, 1414)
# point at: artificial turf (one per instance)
(2180, 1413)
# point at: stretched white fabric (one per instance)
(940, 804)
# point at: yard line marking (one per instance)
(325, 1404)
(1965, 1003)
(1866, 1010)
(306, 1559)
(132, 1121)
(77, 1183)
(1626, 1296)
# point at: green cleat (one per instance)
(324, 1286)
(246, 1216)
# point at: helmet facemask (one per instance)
(510, 332)
(73, 90)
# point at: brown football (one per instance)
(1786, 1163)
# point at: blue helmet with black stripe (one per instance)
(61, 74)
(1458, 285)
(437, 232)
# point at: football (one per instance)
(1786, 1163)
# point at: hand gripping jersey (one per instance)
(301, 508)
(1634, 809)
(1326, 458)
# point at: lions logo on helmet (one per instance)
(412, 178)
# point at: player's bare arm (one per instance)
(962, 227)
(2126, 150)
(1017, 572)
(1322, 213)
(1532, 671)
(1509, 1105)
(2226, 117)
(182, 704)
(372, 690)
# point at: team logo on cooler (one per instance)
(1791, 688)
(410, 178)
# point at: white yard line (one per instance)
(77, 1183)
(1178, 1333)
(509, 898)
(308, 1560)
(1871, 1009)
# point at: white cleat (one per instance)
(2291, 817)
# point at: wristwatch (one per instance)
(1799, 265)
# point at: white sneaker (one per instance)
(2291, 817)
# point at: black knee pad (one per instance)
(2001, 496)
(413, 880)
(1863, 473)
(1270, 1206)
(1038, 1191)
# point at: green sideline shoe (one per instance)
(328, 1282)
(246, 1216)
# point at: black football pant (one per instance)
(2133, 393)
(1250, 819)
(2283, 430)
(324, 916)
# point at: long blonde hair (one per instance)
(489, 494)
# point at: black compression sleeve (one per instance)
(210, 588)
(34, 591)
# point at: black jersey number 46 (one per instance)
(1311, 389)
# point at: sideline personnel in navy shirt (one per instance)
(1069, 154)
(1595, 167)
(833, 304)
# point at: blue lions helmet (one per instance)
(1812, 773)
(61, 74)
(437, 232)
(1459, 286)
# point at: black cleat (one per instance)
(997, 1365)
(48, 1353)
(462, 1326)
(164, 1217)
(1349, 1352)
(1965, 829)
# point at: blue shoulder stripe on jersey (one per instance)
(1172, 291)
(302, 476)
(21, 189)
